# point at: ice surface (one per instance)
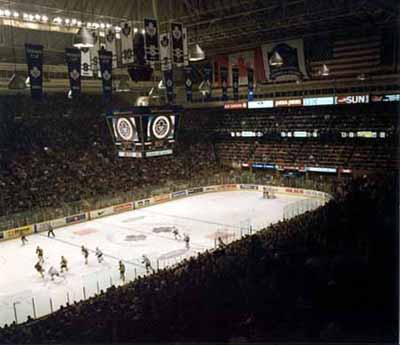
(126, 237)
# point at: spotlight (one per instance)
(7, 13)
(45, 19)
(37, 16)
(15, 14)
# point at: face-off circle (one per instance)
(161, 127)
(125, 128)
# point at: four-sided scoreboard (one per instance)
(140, 132)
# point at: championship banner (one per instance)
(127, 43)
(185, 48)
(250, 84)
(235, 83)
(165, 52)
(151, 49)
(208, 78)
(177, 44)
(105, 59)
(111, 46)
(169, 83)
(292, 54)
(94, 54)
(73, 58)
(224, 82)
(86, 68)
(34, 57)
(188, 82)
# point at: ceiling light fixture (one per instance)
(276, 60)
(196, 53)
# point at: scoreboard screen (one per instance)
(142, 132)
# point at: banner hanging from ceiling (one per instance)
(188, 82)
(111, 46)
(177, 44)
(250, 84)
(34, 57)
(224, 82)
(169, 84)
(242, 61)
(86, 67)
(73, 59)
(105, 59)
(94, 54)
(185, 47)
(292, 54)
(235, 83)
(165, 52)
(208, 74)
(151, 47)
(127, 43)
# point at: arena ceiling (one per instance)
(228, 25)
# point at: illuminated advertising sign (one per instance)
(268, 103)
(386, 98)
(294, 102)
(319, 169)
(352, 99)
(312, 101)
(240, 105)
(263, 166)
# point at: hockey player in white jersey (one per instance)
(53, 272)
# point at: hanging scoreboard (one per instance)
(141, 132)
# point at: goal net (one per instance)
(268, 193)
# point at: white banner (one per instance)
(127, 43)
(185, 47)
(94, 54)
(165, 52)
(111, 46)
(292, 54)
(86, 66)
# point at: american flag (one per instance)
(347, 57)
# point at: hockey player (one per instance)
(39, 252)
(53, 272)
(221, 243)
(147, 264)
(24, 240)
(186, 238)
(50, 231)
(63, 264)
(99, 255)
(85, 253)
(122, 271)
(176, 234)
(39, 268)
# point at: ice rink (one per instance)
(126, 237)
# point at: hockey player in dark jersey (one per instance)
(39, 268)
(147, 264)
(99, 255)
(122, 271)
(63, 264)
(186, 238)
(176, 234)
(85, 253)
(24, 240)
(39, 252)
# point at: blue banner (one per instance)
(105, 59)
(188, 82)
(169, 83)
(73, 59)
(208, 78)
(250, 84)
(34, 57)
(235, 83)
(224, 82)
(151, 47)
